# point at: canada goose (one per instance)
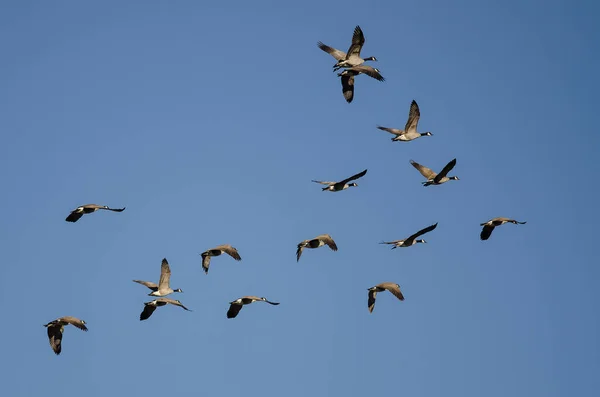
(352, 58)
(488, 227)
(432, 177)
(88, 209)
(150, 307)
(163, 288)
(225, 248)
(237, 304)
(342, 185)
(410, 129)
(316, 242)
(56, 328)
(412, 240)
(347, 78)
(392, 287)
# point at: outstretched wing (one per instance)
(55, 337)
(348, 87)
(426, 172)
(74, 215)
(326, 238)
(323, 182)
(231, 251)
(486, 232)
(115, 209)
(205, 262)
(234, 309)
(353, 177)
(148, 284)
(371, 302)
(74, 321)
(413, 117)
(165, 275)
(358, 40)
(147, 312)
(368, 70)
(421, 232)
(394, 131)
(299, 251)
(445, 171)
(337, 54)
(395, 290)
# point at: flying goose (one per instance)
(488, 227)
(412, 240)
(392, 287)
(150, 307)
(88, 209)
(410, 129)
(55, 330)
(342, 185)
(163, 288)
(432, 177)
(237, 304)
(224, 248)
(347, 78)
(316, 242)
(352, 58)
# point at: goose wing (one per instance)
(426, 172)
(413, 118)
(55, 337)
(445, 171)
(486, 232)
(74, 215)
(148, 284)
(394, 131)
(165, 275)
(348, 86)
(394, 289)
(231, 251)
(421, 232)
(73, 321)
(358, 40)
(149, 308)
(353, 177)
(337, 54)
(205, 262)
(234, 309)
(326, 238)
(371, 301)
(115, 209)
(368, 70)
(299, 251)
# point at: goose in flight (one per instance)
(88, 209)
(432, 177)
(237, 304)
(488, 227)
(352, 57)
(412, 240)
(392, 287)
(341, 185)
(163, 287)
(319, 241)
(224, 248)
(410, 129)
(56, 328)
(150, 307)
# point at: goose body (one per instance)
(352, 57)
(392, 287)
(150, 307)
(342, 185)
(488, 227)
(432, 177)
(236, 305)
(56, 328)
(412, 240)
(409, 133)
(88, 209)
(319, 241)
(224, 248)
(163, 288)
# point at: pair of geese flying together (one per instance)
(88, 209)
(352, 62)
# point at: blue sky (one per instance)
(208, 123)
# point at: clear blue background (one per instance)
(208, 122)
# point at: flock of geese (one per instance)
(353, 65)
